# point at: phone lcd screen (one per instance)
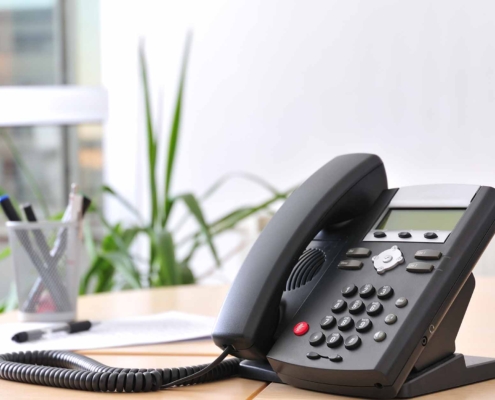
(421, 219)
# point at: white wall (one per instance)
(279, 87)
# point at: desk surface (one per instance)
(475, 338)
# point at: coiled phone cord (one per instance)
(74, 371)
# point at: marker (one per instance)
(36, 334)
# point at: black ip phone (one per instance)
(352, 289)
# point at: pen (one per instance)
(52, 283)
(35, 334)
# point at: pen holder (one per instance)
(46, 267)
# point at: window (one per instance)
(51, 102)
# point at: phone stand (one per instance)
(438, 368)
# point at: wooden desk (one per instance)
(475, 338)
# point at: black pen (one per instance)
(35, 334)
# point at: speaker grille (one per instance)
(306, 268)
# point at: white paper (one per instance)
(159, 328)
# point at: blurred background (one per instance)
(272, 89)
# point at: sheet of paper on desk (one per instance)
(159, 328)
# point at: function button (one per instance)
(420, 267)
(379, 336)
(334, 340)
(364, 325)
(379, 234)
(316, 338)
(349, 290)
(339, 306)
(431, 235)
(350, 264)
(313, 356)
(374, 308)
(335, 358)
(401, 302)
(327, 322)
(345, 323)
(301, 328)
(385, 292)
(428, 255)
(358, 252)
(356, 307)
(404, 235)
(391, 319)
(352, 342)
(366, 291)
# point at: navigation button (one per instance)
(350, 264)
(420, 267)
(431, 235)
(335, 358)
(379, 234)
(404, 235)
(391, 319)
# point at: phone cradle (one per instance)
(438, 368)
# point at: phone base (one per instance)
(454, 371)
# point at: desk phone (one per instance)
(352, 289)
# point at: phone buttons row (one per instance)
(357, 306)
(335, 340)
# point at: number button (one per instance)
(364, 325)
(366, 291)
(345, 323)
(356, 307)
(385, 292)
(349, 290)
(352, 342)
(334, 340)
(327, 322)
(339, 306)
(374, 308)
(316, 339)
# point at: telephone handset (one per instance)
(352, 288)
(359, 290)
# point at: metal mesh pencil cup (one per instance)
(46, 267)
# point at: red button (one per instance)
(301, 328)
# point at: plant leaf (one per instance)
(174, 135)
(89, 241)
(124, 265)
(165, 259)
(5, 253)
(150, 136)
(9, 303)
(193, 206)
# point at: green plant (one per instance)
(113, 265)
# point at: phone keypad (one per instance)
(363, 325)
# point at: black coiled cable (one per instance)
(74, 371)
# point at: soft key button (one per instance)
(428, 255)
(358, 252)
(387, 260)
